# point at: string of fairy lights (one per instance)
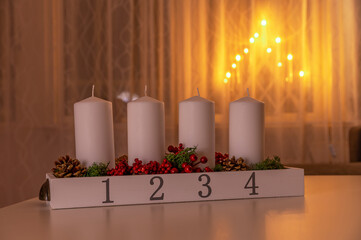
(252, 40)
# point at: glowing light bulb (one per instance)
(263, 22)
(245, 50)
(256, 35)
(234, 65)
(238, 57)
(228, 74)
(278, 39)
(225, 80)
(251, 40)
(269, 50)
(301, 73)
(279, 64)
(289, 57)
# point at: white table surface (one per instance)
(330, 209)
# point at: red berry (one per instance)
(198, 169)
(184, 165)
(181, 146)
(174, 170)
(170, 148)
(193, 158)
(188, 169)
(207, 169)
(204, 159)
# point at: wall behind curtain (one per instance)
(52, 52)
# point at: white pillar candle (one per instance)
(197, 127)
(94, 136)
(146, 130)
(246, 129)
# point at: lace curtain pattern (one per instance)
(52, 52)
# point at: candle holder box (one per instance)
(166, 188)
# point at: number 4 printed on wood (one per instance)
(253, 186)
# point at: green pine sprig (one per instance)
(268, 163)
(97, 169)
(218, 168)
(182, 157)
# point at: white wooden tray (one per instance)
(165, 188)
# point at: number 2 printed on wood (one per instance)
(153, 197)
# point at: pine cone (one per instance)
(67, 167)
(234, 165)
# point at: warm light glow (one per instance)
(252, 39)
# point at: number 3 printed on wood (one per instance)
(200, 193)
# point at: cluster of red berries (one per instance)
(221, 157)
(122, 168)
(192, 165)
(181, 160)
(175, 150)
(139, 168)
(167, 167)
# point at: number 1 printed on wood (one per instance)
(107, 192)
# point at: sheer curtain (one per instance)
(51, 52)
